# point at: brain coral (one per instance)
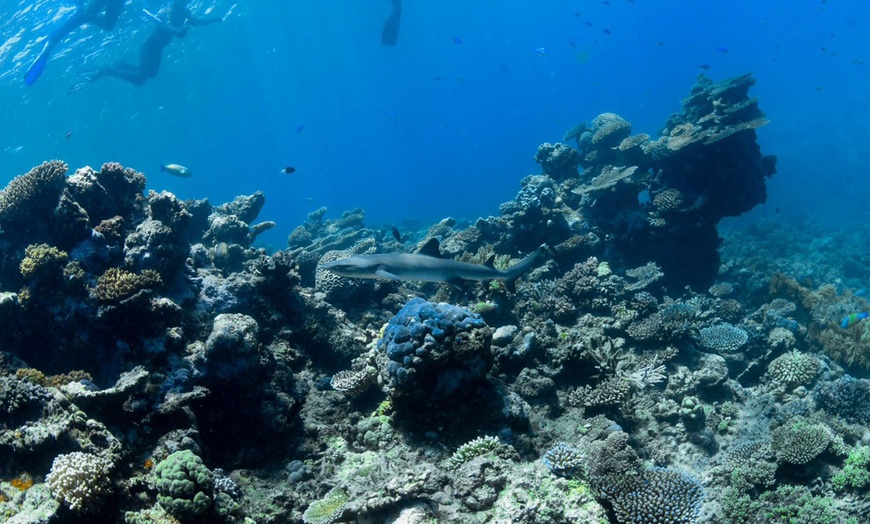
(429, 350)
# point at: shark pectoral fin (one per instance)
(383, 273)
(457, 283)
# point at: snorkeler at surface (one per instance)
(103, 13)
(390, 34)
(173, 20)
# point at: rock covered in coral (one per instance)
(558, 160)
(429, 351)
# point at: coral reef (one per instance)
(157, 365)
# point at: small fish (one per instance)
(396, 234)
(861, 292)
(289, 170)
(606, 31)
(722, 49)
(853, 319)
(299, 128)
(704, 66)
(588, 23)
(660, 43)
(541, 51)
(69, 134)
(576, 14)
(456, 40)
(176, 169)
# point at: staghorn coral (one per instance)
(800, 441)
(749, 465)
(794, 369)
(117, 284)
(80, 480)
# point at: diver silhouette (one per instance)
(102, 13)
(390, 34)
(171, 21)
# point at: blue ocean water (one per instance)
(446, 122)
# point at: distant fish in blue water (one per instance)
(456, 40)
(299, 128)
(861, 292)
(69, 134)
(853, 319)
(289, 170)
(606, 31)
(722, 49)
(588, 23)
(541, 51)
(176, 169)
(704, 66)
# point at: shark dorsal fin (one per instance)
(490, 262)
(431, 248)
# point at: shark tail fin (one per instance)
(517, 270)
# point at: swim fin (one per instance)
(36, 68)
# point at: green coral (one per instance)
(117, 284)
(475, 448)
(794, 369)
(856, 472)
(326, 510)
(786, 505)
(184, 485)
(800, 441)
(42, 260)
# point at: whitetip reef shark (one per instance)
(426, 265)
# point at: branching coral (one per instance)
(117, 284)
(80, 480)
(42, 260)
(475, 448)
(29, 198)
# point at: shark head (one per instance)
(357, 266)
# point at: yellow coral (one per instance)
(22, 482)
(32, 375)
(42, 259)
(117, 284)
